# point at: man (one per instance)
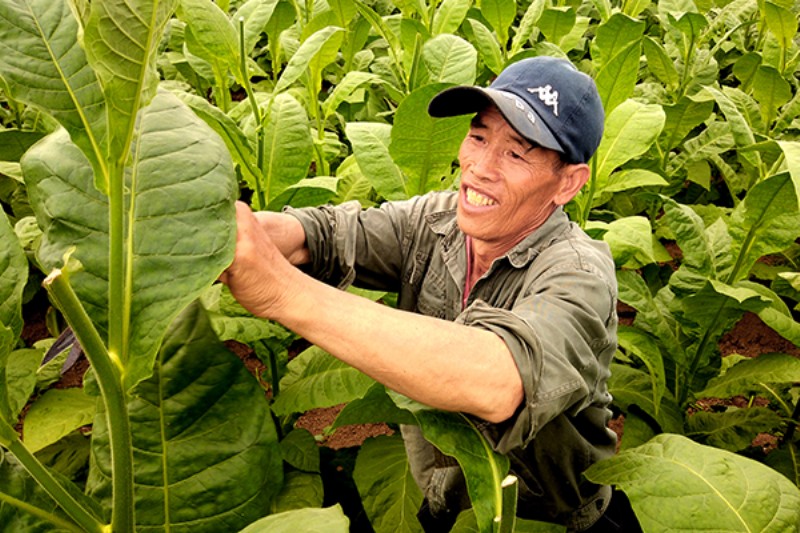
(506, 310)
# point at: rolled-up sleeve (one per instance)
(347, 243)
(560, 332)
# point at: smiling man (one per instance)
(506, 309)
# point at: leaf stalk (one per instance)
(109, 378)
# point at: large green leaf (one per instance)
(455, 435)
(677, 485)
(300, 490)
(390, 496)
(121, 39)
(288, 147)
(422, 146)
(44, 66)
(214, 37)
(206, 454)
(180, 237)
(317, 379)
(327, 520)
(642, 345)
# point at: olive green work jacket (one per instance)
(551, 298)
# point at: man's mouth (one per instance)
(477, 199)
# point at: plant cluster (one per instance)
(129, 128)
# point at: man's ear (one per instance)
(573, 178)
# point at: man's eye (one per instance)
(476, 137)
(515, 155)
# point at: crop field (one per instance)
(128, 129)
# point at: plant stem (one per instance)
(108, 371)
(251, 97)
(116, 265)
(45, 479)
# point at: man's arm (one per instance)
(440, 363)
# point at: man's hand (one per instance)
(259, 275)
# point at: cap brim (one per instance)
(464, 100)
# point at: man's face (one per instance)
(508, 187)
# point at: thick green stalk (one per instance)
(50, 484)
(108, 371)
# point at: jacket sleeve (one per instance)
(350, 245)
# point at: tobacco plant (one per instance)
(304, 103)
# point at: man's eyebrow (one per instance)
(476, 122)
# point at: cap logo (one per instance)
(547, 95)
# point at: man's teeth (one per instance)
(476, 198)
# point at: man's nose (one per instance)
(485, 163)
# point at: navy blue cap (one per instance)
(545, 99)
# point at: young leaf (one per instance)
(288, 147)
(630, 240)
(450, 59)
(526, 26)
(316, 49)
(449, 16)
(215, 37)
(188, 446)
(660, 64)
(679, 485)
(300, 490)
(300, 449)
(742, 133)
(653, 316)
(182, 221)
(390, 496)
(500, 14)
(487, 45)
(345, 88)
(772, 91)
(781, 22)
(121, 39)
(617, 79)
(370, 142)
(630, 130)
(422, 146)
(681, 118)
(557, 23)
(614, 37)
(256, 15)
(767, 221)
(644, 346)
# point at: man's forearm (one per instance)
(287, 234)
(442, 364)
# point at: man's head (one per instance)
(535, 128)
(545, 99)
